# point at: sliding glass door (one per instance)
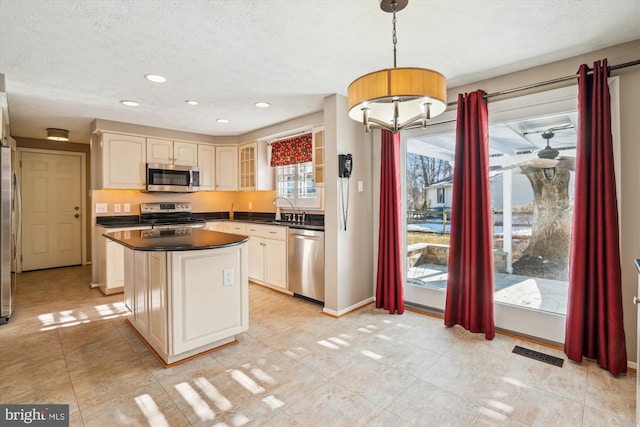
(532, 159)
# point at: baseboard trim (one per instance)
(350, 309)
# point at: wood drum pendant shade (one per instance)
(412, 87)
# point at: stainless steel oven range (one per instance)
(169, 215)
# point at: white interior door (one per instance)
(52, 215)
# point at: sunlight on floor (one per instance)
(66, 318)
(151, 411)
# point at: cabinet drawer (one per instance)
(275, 232)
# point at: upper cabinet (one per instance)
(226, 169)
(172, 152)
(318, 156)
(254, 170)
(207, 166)
(123, 162)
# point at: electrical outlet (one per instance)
(101, 208)
(250, 205)
(117, 208)
(127, 207)
(227, 277)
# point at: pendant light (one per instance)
(397, 98)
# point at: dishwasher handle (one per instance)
(302, 236)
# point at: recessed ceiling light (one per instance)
(262, 104)
(191, 102)
(155, 78)
(129, 103)
(222, 121)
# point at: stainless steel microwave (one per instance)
(172, 178)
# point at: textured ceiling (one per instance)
(67, 62)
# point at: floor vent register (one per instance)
(542, 357)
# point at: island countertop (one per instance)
(175, 239)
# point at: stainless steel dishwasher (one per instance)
(306, 263)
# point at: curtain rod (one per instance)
(550, 82)
(271, 141)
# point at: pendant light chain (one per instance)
(395, 37)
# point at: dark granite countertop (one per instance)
(312, 222)
(175, 239)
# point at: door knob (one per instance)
(636, 300)
(77, 208)
(77, 215)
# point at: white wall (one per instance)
(348, 253)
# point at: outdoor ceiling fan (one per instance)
(548, 157)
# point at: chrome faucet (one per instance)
(296, 218)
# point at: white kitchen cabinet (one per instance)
(185, 303)
(215, 226)
(255, 172)
(226, 168)
(110, 260)
(157, 298)
(267, 254)
(233, 227)
(171, 152)
(207, 166)
(146, 295)
(208, 307)
(121, 161)
(318, 156)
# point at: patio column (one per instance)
(507, 218)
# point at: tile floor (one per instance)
(294, 367)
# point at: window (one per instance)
(441, 195)
(295, 182)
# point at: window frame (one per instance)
(313, 203)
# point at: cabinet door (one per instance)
(248, 166)
(185, 153)
(158, 313)
(129, 278)
(140, 291)
(123, 162)
(227, 168)
(209, 296)
(215, 226)
(159, 151)
(207, 163)
(275, 262)
(318, 157)
(256, 258)
(114, 266)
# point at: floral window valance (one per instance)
(292, 151)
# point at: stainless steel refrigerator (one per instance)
(10, 212)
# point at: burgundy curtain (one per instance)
(389, 290)
(594, 313)
(469, 299)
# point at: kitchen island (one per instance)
(186, 289)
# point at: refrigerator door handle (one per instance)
(18, 231)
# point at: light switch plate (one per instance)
(127, 207)
(117, 208)
(101, 208)
(360, 186)
(227, 277)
